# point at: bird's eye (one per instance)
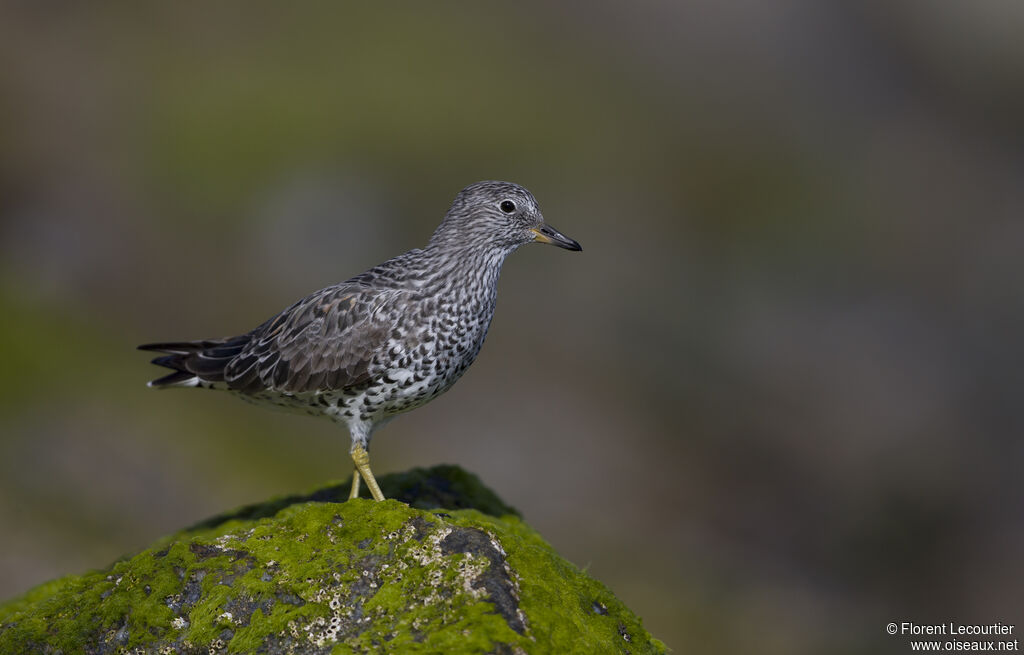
(507, 206)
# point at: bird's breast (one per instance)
(431, 347)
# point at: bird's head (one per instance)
(499, 215)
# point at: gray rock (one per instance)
(443, 566)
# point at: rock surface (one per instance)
(443, 566)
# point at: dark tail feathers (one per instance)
(195, 362)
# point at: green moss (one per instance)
(321, 576)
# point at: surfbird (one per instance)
(385, 341)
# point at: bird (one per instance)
(383, 342)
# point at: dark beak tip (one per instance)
(556, 238)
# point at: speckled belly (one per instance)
(410, 372)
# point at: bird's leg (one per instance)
(355, 485)
(362, 460)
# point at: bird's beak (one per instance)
(548, 234)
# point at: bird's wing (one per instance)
(324, 342)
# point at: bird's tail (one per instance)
(195, 363)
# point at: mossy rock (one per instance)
(443, 566)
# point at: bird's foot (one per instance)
(362, 461)
(355, 485)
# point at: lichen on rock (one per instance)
(309, 574)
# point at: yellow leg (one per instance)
(362, 460)
(355, 485)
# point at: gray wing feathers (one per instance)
(325, 342)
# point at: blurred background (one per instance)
(774, 404)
